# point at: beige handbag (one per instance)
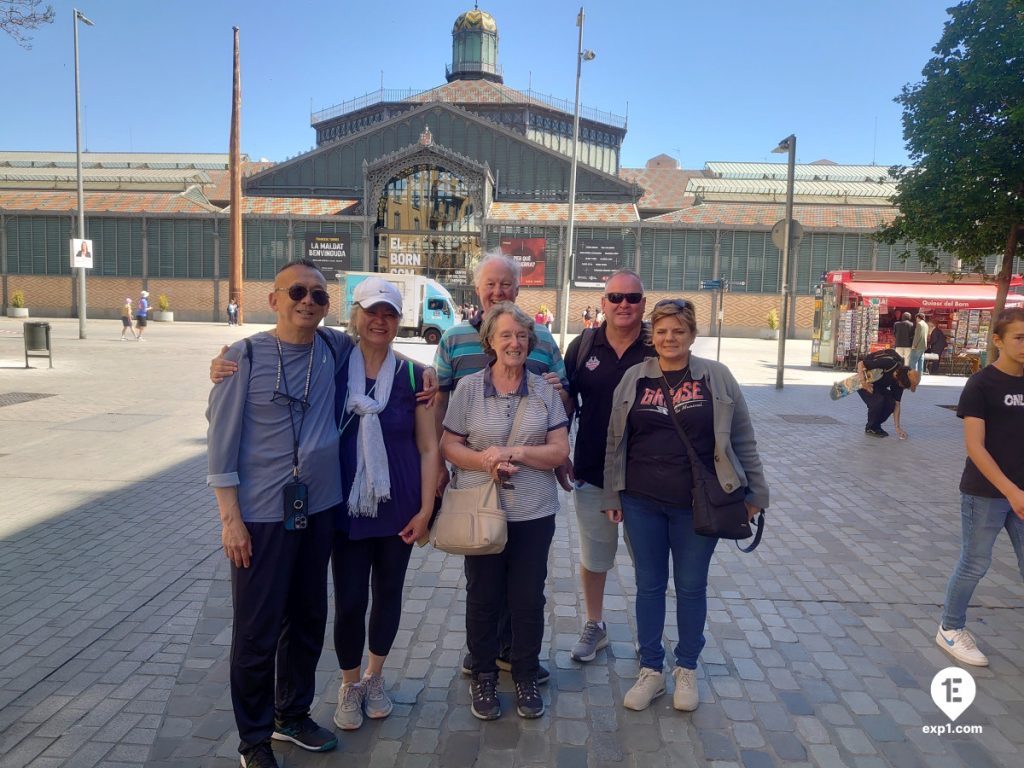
(471, 520)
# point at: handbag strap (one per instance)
(758, 521)
(666, 393)
(518, 419)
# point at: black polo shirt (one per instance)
(591, 387)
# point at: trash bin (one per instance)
(37, 341)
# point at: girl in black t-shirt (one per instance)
(992, 485)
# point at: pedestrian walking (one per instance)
(142, 315)
(992, 484)
(126, 319)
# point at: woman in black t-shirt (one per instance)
(647, 462)
(992, 485)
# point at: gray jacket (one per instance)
(737, 463)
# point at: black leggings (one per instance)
(358, 565)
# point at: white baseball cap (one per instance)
(145, 294)
(374, 290)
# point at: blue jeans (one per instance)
(981, 520)
(655, 530)
(917, 360)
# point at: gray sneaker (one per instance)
(376, 701)
(593, 639)
(349, 714)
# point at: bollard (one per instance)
(37, 341)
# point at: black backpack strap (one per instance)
(586, 344)
(326, 336)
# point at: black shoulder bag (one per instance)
(716, 512)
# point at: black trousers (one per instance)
(359, 566)
(514, 578)
(280, 613)
(880, 407)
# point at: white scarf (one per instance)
(372, 482)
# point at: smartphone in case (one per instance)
(296, 496)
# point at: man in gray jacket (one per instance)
(273, 465)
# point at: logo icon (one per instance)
(592, 363)
(953, 691)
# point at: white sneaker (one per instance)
(349, 714)
(685, 696)
(959, 643)
(649, 686)
(375, 700)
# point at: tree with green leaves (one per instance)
(17, 16)
(964, 132)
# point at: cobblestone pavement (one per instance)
(115, 609)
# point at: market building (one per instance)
(426, 182)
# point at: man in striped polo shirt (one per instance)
(459, 353)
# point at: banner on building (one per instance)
(81, 253)
(595, 262)
(331, 253)
(529, 253)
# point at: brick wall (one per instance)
(207, 300)
(746, 314)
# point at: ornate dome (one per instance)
(475, 20)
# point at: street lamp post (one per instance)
(787, 145)
(581, 56)
(78, 15)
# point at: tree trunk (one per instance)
(1003, 284)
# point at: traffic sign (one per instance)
(707, 285)
(796, 233)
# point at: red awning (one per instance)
(930, 296)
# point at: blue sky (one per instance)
(702, 81)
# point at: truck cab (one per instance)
(428, 309)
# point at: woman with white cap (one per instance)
(142, 315)
(389, 465)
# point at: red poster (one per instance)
(529, 252)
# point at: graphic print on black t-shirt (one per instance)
(657, 463)
(997, 399)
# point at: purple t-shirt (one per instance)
(398, 425)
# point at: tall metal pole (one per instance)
(790, 141)
(567, 262)
(78, 163)
(235, 166)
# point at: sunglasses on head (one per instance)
(617, 298)
(319, 296)
(681, 303)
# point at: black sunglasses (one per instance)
(283, 398)
(681, 303)
(632, 298)
(298, 293)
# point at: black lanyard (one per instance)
(303, 404)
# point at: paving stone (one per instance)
(717, 745)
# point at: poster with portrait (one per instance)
(81, 253)
(529, 253)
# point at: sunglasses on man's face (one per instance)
(617, 298)
(298, 293)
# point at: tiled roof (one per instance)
(164, 160)
(66, 201)
(557, 213)
(725, 189)
(297, 206)
(53, 177)
(474, 92)
(801, 171)
(664, 188)
(764, 216)
(220, 189)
